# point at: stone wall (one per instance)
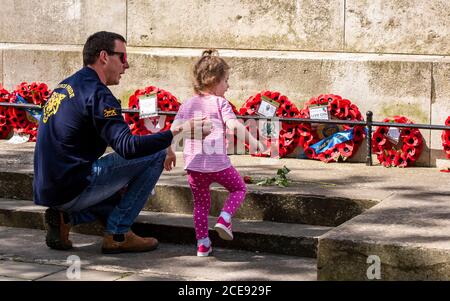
(385, 56)
(380, 26)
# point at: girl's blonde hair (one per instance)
(209, 70)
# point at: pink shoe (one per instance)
(224, 229)
(203, 251)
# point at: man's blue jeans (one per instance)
(110, 174)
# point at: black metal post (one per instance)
(369, 116)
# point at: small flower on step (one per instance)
(248, 179)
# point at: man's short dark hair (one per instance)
(102, 40)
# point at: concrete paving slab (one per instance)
(84, 275)
(4, 278)
(168, 261)
(26, 270)
(156, 277)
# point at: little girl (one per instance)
(206, 161)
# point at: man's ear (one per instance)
(103, 57)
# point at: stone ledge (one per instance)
(409, 234)
(246, 53)
(323, 197)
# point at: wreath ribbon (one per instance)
(34, 113)
(331, 141)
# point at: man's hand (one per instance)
(195, 128)
(171, 160)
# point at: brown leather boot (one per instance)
(57, 230)
(131, 243)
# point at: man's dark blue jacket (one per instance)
(80, 119)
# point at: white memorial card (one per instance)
(147, 106)
(320, 112)
(267, 107)
(393, 135)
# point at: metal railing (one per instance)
(368, 123)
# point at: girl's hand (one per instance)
(171, 161)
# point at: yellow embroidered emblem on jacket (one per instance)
(52, 105)
(109, 112)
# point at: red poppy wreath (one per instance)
(5, 127)
(270, 104)
(26, 121)
(165, 102)
(327, 142)
(446, 139)
(397, 146)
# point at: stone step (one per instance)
(317, 195)
(261, 236)
(173, 195)
(406, 237)
(289, 206)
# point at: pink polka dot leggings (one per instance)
(200, 182)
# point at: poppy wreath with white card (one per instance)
(271, 102)
(328, 142)
(165, 101)
(397, 147)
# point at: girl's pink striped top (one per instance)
(209, 155)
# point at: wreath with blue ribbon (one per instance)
(331, 143)
(26, 121)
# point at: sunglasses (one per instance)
(122, 55)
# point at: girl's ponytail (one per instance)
(209, 70)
